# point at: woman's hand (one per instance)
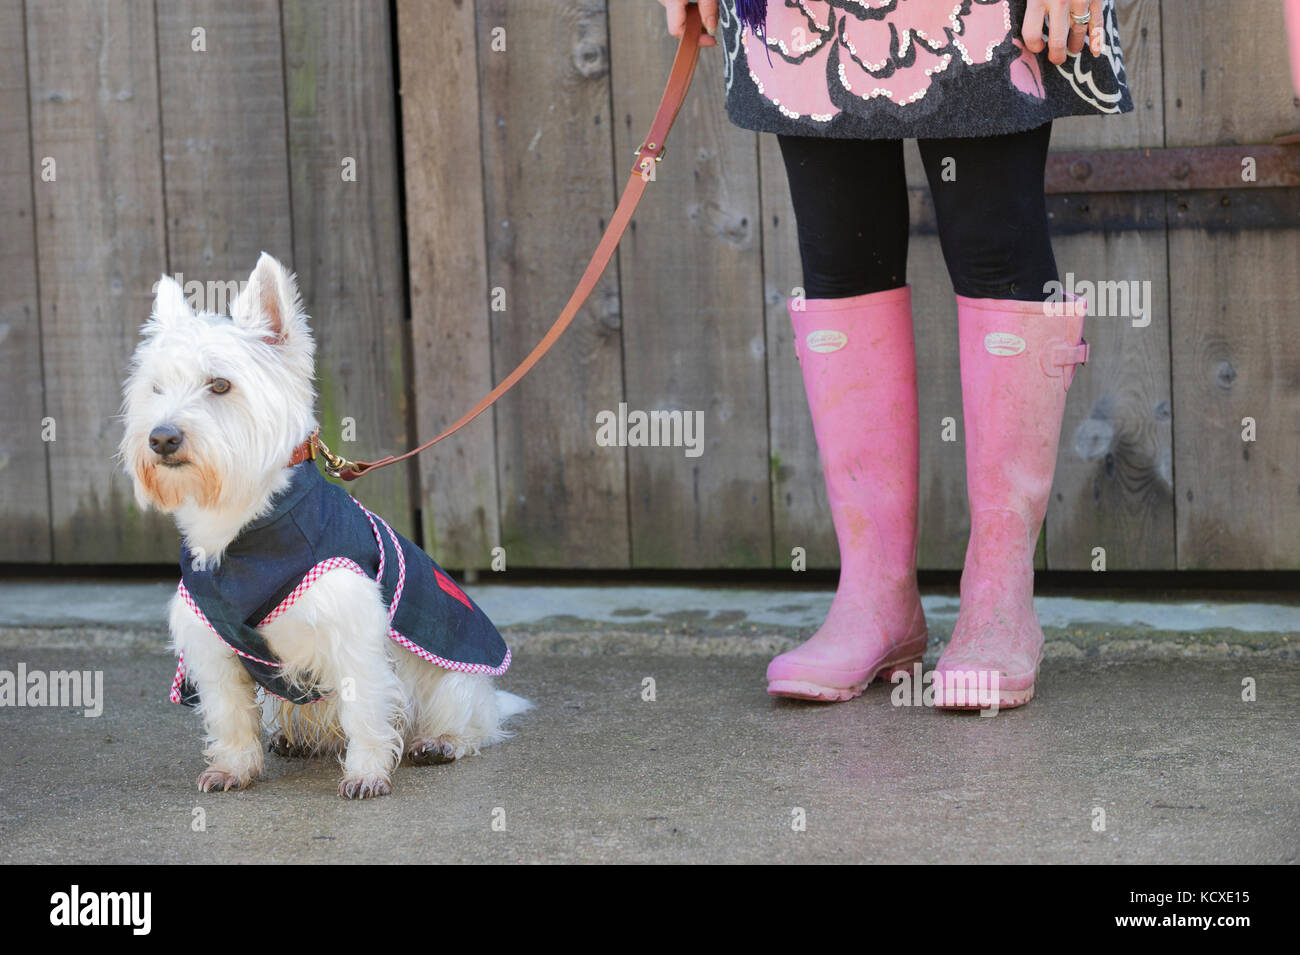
(676, 10)
(1063, 32)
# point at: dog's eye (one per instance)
(219, 386)
(157, 390)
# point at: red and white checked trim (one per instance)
(309, 578)
(401, 558)
(315, 573)
(455, 665)
(415, 648)
(178, 679)
(190, 602)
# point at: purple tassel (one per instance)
(753, 14)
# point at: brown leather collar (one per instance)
(303, 452)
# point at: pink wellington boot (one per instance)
(1017, 361)
(1293, 34)
(858, 359)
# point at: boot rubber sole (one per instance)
(803, 690)
(1007, 700)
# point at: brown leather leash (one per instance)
(648, 153)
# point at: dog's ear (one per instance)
(169, 305)
(269, 303)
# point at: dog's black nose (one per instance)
(164, 440)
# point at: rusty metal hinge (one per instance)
(1262, 165)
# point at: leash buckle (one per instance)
(643, 167)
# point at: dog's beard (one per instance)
(168, 484)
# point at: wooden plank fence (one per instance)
(438, 171)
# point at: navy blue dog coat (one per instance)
(315, 527)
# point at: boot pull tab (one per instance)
(1059, 359)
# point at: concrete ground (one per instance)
(1139, 716)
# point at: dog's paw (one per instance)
(423, 751)
(363, 787)
(218, 780)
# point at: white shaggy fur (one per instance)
(226, 472)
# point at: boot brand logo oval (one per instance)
(1003, 343)
(826, 340)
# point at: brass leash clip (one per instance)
(334, 464)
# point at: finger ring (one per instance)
(1081, 20)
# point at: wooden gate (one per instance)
(438, 171)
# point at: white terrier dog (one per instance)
(363, 646)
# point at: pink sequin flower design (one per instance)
(886, 48)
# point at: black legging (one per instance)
(850, 203)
